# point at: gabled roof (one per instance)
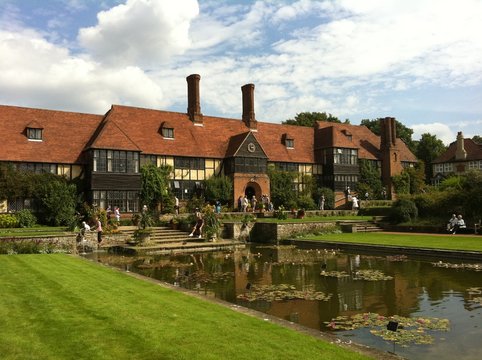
(474, 152)
(356, 136)
(111, 136)
(64, 136)
(210, 140)
(237, 141)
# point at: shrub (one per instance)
(8, 221)
(280, 214)
(404, 210)
(306, 202)
(25, 218)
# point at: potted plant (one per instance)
(174, 223)
(143, 233)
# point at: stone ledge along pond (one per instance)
(419, 308)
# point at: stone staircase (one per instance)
(165, 240)
(360, 226)
(367, 226)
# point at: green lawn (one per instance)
(446, 242)
(35, 231)
(317, 219)
(63, 307)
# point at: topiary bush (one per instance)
(8, 221)
(403, 210)
(25, 218)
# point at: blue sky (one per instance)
(419, 61)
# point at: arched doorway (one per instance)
(249, 192)
(252, 189)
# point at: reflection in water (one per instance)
(418, 289)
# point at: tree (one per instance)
(281, 183)
(218, 188)
(155, 191)
(428, 149)
(55, 199)
(403, 132)
(310, 118)
(370, 180)
(477, 139)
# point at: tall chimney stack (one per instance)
(460, 152)
(193, 100)
(248, 107)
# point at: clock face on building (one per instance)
(251, 147)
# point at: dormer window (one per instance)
(288, 141)
(168, 133)
(347, 134)
(34, 134)
(167, 130)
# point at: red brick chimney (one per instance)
(390, 153)
(248, 107)
(193, 99)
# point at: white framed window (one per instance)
(34, 134)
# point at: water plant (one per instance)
(410, 330)
(281, 292)
(371, 275)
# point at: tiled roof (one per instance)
(474, 152)
(368, 144)
(65, 134)
(210, 140)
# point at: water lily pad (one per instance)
(336, 274)
(410, 330)
(473, 267)
(281, 292)
(371, 275)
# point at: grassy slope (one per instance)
(61, 307)
(448, 242)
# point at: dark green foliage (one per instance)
(282, 191)
(370, 180)
(428, 149)
(306, 202)
(155, 191)
(477, 139)
(329, 197)
(310, 118)
(195, 203)
(212, 224)
(219, 188)
(25, 218)
(404, 210)
(54, 200)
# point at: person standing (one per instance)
(322, 202)
(117, 214)
(99, 230)
(176, 205)
(354, 202)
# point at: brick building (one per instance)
(108, 150)
(461, 156)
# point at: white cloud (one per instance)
(442, 131)
(140, 32)
(58, 80)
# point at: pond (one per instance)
(434, 308)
